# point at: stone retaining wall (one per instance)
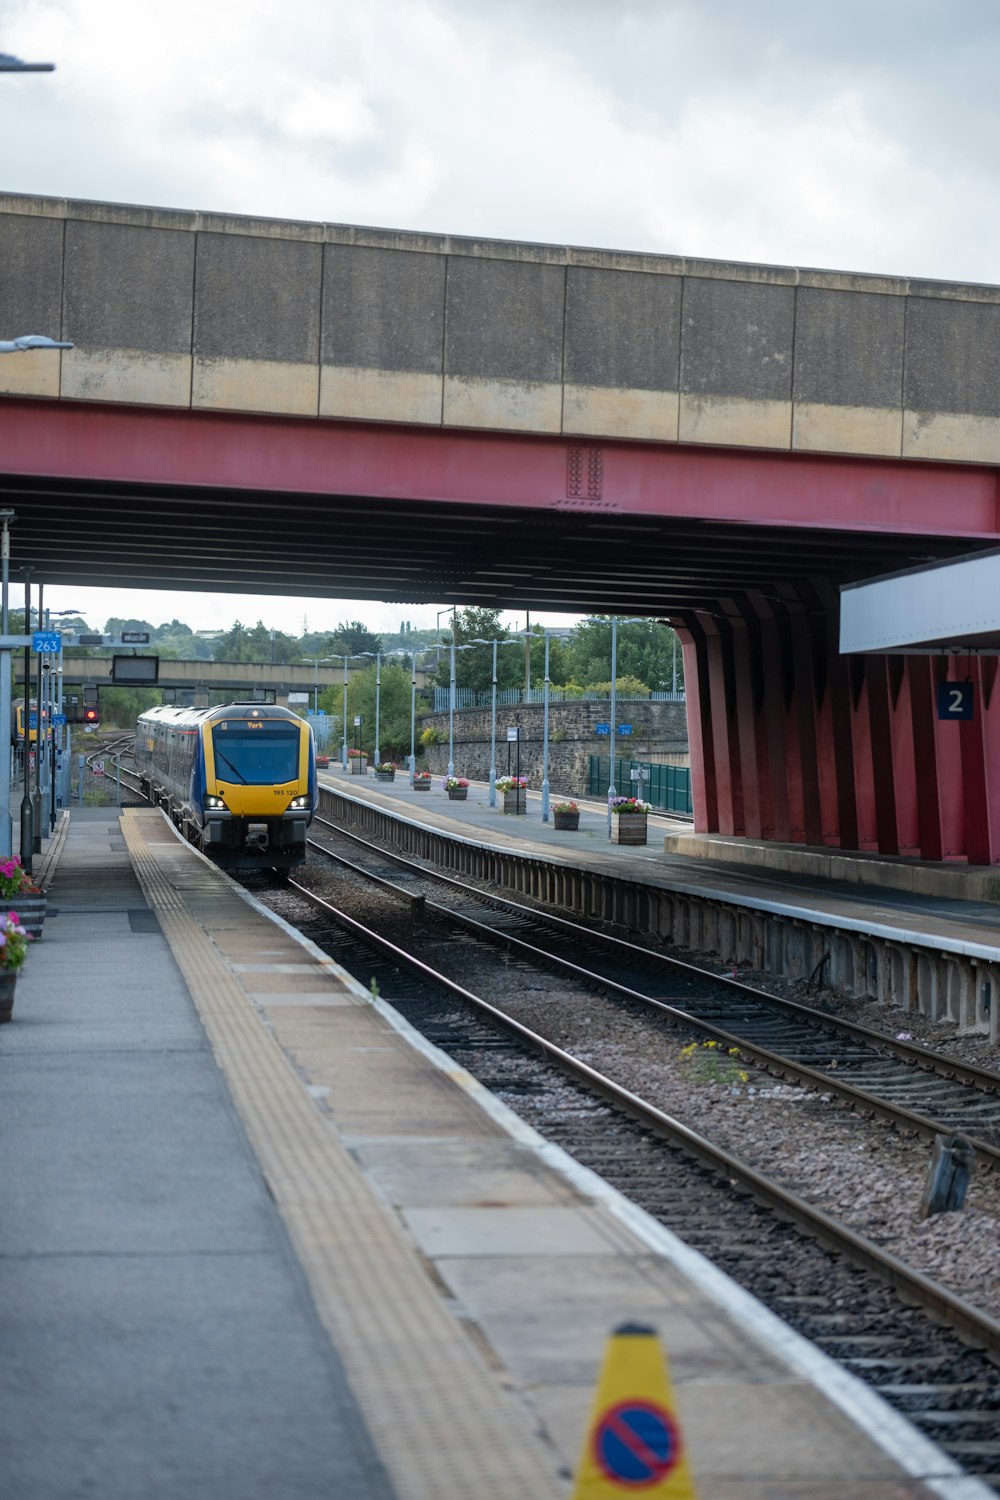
(659, 730)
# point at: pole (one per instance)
(451, 703)
(343, 747)
(673, 672)
(27, 814)
(493, 733)
(527, 654)
(378, 690)
(413, 714)
(6, 673)
(545, 737)
(315, 685)
(612, 792)
(36, 801)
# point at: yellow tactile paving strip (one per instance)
(444, 1426)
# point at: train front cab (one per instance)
(259, 789)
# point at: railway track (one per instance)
(908, 1086)
(927, 1351)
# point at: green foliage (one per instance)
(394, 710)
(260, 644)
(626, 684)
(645, 653)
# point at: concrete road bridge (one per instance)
(287, 408)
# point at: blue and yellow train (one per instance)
(239, 781)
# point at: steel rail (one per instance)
(931, 1062)
(774, 1063)
(913, 1285)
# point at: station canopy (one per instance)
(951, 606)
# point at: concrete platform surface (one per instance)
(258, 1238)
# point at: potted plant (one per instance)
(357, 762)
(16, 885)
(566, 815)
(421, 781)
(457, 788)
(13, 951)
(513, 797)
(628, 820)
(385, 770)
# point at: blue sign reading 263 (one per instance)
(46, 642)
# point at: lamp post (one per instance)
(504, 641)
(545, 722)
(27, 811)
(6, 824)
(58, 744)
(413, 654)
(451, 704)
(378, 694)
(612, 791)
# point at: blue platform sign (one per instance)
(46, 642)
(58, 718)
(32, 720)
(625, 729)
(602, 728)
(955, 700)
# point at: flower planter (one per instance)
(385, 775)
(568, 822)
(31, 911)
(7, 983)
(513, 802)
(457, 793)
(358, 765)
(421, 784)
(628, 828)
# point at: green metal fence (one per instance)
(666, 787)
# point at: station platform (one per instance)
(951, 906)
(258, 1238)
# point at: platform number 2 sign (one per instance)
(954, 700)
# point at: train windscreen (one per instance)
(256, 754)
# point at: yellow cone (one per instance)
(633, 1444)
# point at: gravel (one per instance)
(861, 1171)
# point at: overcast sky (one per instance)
(847, 136)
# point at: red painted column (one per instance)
(725, 739)
(746, 725)
(699, 717)
(975, 780)
(777, 824)
(805, 726)
(923, 710)
(883, 773)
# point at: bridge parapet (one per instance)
(215, 312)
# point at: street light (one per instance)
(545, 722)
(9, 64)
(378, 690)
(413, 653)
(505, 641)
(26, 341)
(345, 657)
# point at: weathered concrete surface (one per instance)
(210, 311)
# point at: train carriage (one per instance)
(238, 781)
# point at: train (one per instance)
(239, 781)
(17, 723)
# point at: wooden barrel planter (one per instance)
(457, 793)
(421, 783)
(567, 822)
(31, 910)
(513, 802)
(628, 828)
(7, 983)
(385, 775)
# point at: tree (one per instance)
(474, 666)
(394, 710)
(357, 637)
(645, 651)
(259, 644)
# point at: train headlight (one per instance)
(298, 803)
(215, 804)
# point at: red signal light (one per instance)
(91, 715)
